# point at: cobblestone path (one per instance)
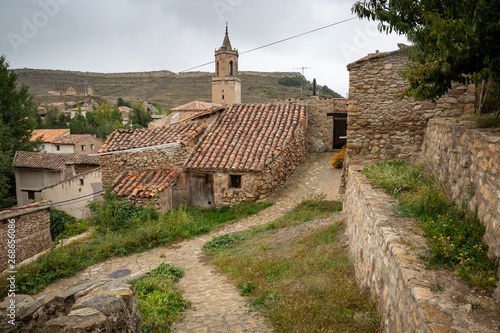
(217, 306)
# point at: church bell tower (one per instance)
(226, 86)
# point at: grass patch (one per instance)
(305, 284)
(491, 120)
(312, 208)
(453, 234)
(141, 231)
(160, 303)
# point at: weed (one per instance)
(454, 235)
(222, 241)
(488, 120)
(436, 288)
(247, 288)
(475, 305)
(160, 303)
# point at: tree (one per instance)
(17, 121)
(121, 102)
(138, 116)
(453, 41)
(78, 124)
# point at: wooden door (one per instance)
(339, 132)
(201, 190)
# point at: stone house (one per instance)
(35, 172)
(70, 91)
(32, 231)
(248, 152)
(217, 157)
(145, 166)
(48, 136)
(77, 143)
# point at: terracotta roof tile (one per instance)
(72, 139)
(48, 135)
(51, 161)
(247, 137)
(147, 183)
(123, 139)
(47, 203)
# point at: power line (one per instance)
(241, 53)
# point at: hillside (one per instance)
(163, 87)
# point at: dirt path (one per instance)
(217, 304)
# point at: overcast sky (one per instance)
(143, 35)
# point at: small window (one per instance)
(31, 195)
(92, 147)
(58, 147)
(83, 147)
(235, 181)
(81, 182)
(43, 147)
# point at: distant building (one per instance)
(226, 86)
(90, 91)
(72, 112)
(71, 91)
(180, 113)
(60, 177)
(61, 141)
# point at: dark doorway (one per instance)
(201, 191)
(339, 129)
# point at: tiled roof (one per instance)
(41, 204)
(72, 139)
(247, 137)
(194, 106)
(48, 135)
(51, 161)
(122, 139)
(144, 184)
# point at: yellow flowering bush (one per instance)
(338, 159)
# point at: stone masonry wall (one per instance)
(168, 157)
(32, 232)
(255, 185)
(381, 126)
(320, 126)
(386, 250)
(467, 161)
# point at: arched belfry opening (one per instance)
(226, 85)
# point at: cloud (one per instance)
(127, 35)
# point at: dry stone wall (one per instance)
(320, 126)
(31, 231)
(386, 250)
(382, 126)
(467, 161)
(171, 156)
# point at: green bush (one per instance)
(114, 213)
(488, 120)
(294, 81)
(59, 220)
(222, 241)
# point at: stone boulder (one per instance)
(101, 305)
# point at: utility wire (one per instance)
(244, 52)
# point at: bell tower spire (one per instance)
(226, 86)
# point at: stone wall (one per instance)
(101, 305)
(32, 232)
(256, 185)
(386, 250)
(467, 161)
(171, 156)
(320, 126)
(382, 126)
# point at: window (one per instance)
(83, 147)
(58, 147)
(81, 182)
(92, 147)
(31, 195)
(231, 69)
(217, 66)
(235, 181)
(43, 147)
